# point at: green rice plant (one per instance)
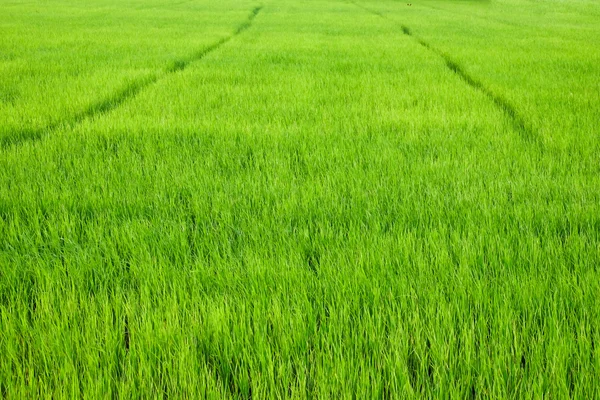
(338, 200)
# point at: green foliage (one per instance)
(308, 199)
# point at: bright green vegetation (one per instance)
(338, 200)
(62, 59)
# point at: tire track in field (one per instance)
(519, 123)
(129, 91)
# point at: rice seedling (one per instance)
(318, 199)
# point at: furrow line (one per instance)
(525, 131)
(117, 99)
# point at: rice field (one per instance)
(299, 199)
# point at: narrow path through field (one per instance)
(519, 123)
(129, 91)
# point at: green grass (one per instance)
(299, 199)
